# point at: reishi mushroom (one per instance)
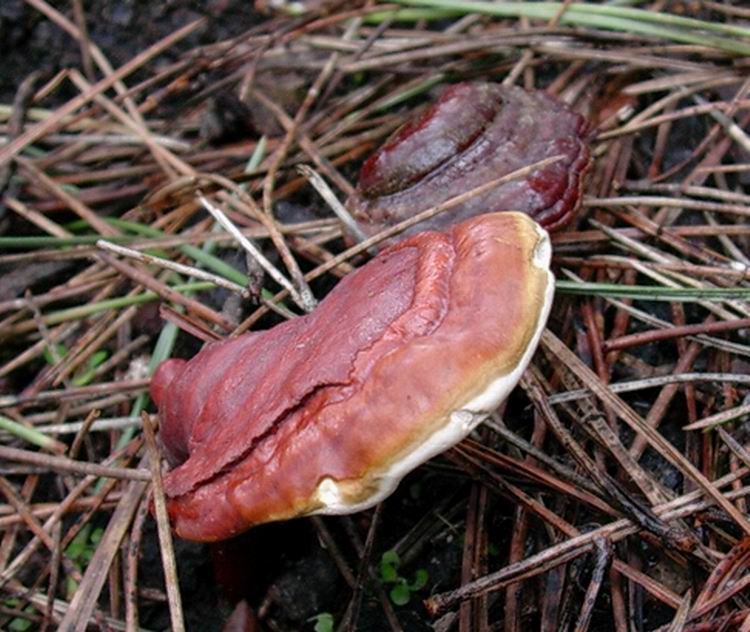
(475, 133)
(324, 414)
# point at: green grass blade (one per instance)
(615, 18)
(653, 293)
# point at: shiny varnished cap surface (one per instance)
(475, 133)
(325, 413)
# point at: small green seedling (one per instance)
(19, 624)
(402, 589)
(323, 622)
(80, 551)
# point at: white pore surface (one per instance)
(461, 422)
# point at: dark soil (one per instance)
(31, 42)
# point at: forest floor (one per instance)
(608, 493)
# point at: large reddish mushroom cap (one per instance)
(327, 412)
(475, 133)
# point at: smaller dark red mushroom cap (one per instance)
(476, 133)
(327, 412)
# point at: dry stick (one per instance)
(739, 272)
(521, 516)
(690, 189)
(491, 44)
(737, 449)
(732, 250)
(9, 516)
(652, 382)
(246, 204)
(84, 601)
(663, 201)
(9, 401)
(711, 341)
(176, 267)
(719, 418)
(35, 217)
(36, 132)
(652, 254)
(60, 510)
(268, 220)
(603, 549)
(474, 613)
(121, 355)
(680, 617)
(78, 207)
(143, 278)
(82, 433)
(291, 132)
(165, 534)
(646, 337)
(188, 325)
(188, 173)
(677, 280)
(538, 476)
(307, 145)
(88, 344)
(23, 511)
(640, 427)
(710, 156)
(131, 568)
(581, 237)
(714, 602)
(613, 530)
(572, 548)
(643, 516)
(100, 403)
(277, 159)
(64, 291)
(375, 583)
(333, 550)
(321, 186)
(352, 613)
(634, 126)
(528, 54)
(659, 408)
(733, 562)
(167, 161)
(63, 464)
(732, 129)
(255, 253)
(592, 421)
(21, 102)
(97, 500)
(60, 333)
(85, 43)
(10, 537)
(89, 48)
(536, 454)
(85, 345)
(316, 253)
(39, 601)
(552, 557)
(54, 574)
(339, 76)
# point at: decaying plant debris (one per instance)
(609, 493)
